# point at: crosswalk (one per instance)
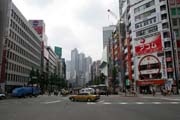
(132, 103)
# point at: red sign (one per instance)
(172, 2)
(178, 43)
(3, 67)
(39, 29)
(169, 69)
(154, 46)
(178, 1)
(169, 59)
(150, 82)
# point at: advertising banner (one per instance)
(150, 66)
(145, 46)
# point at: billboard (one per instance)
(39, 26)
(58, 51)
(151, 66)
(149, 45)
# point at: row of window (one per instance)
(172, 2)
(145, 6)
(175, 11)
(20, 60)
(144, 15)
(24, 35)
(150, 76)
(175, 21)
(15, 37)
(17, 78)
(23, 25)
(21, 51)
(147, 31)
(145, 23)
(149, 66)
(17, 68)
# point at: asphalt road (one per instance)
(107, 108)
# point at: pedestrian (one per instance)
(154, 91)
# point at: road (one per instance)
(107, 108)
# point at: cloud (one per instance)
(39, 3)
(93, 14)
(71, 23)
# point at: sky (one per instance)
(72, 23)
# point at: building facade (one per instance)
(21, 49)
(148, 50)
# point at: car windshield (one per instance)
(89, 59)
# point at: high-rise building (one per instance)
(74, 60)
(88, 63)
(20, 48)
(149, 50)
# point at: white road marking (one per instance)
(101, 101)
(170, 99)
(174, 102)
(107, 103)
(50, 102)
(140, 103)
(91, 103)
(156, 102)
(123, 103)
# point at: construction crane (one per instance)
(113, 14)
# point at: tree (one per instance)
(114, 80)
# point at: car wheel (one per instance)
(89, 100)
(72, 99)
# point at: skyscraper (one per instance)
(107, 34)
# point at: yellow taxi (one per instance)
(84, 97)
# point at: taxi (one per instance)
(84, 97)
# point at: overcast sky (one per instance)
(72, 23)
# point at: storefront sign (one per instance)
(150, 82)
(150, 47)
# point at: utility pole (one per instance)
(173, 40)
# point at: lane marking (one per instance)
(170, 99)
(156, 102)
(91, 103)
(140, 103)
(123, 103)
(174, 102)
(101, 101)
(51, 102)
(107, 103)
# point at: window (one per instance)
(146, 31)
(174, 22)
(177, 1)
(167, 44)
(145, 15)
(173, 11)
(166, 34)
(163, 7)
(165, 25)
(147, 5)
(168, 54)
(163, 16)
(170, 75)
(178, 10)
(145, 23)
(176, 32)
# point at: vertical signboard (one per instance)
(58, 51)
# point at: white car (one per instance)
(2, 96)
(87, 90)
